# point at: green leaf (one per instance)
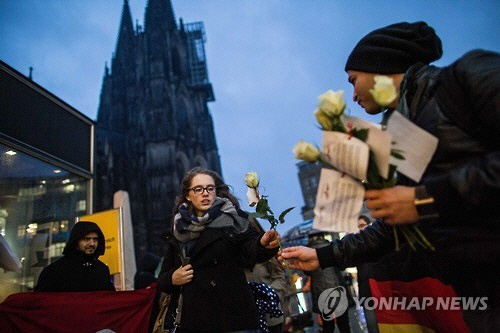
(262, 206)
(392, 170)
(281, 218)
(338, 125)
(361, 134)
(397, 153)
(252, 204)
(372, 175)
(257, 215)
(390, 183)
(274, 223)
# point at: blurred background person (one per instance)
(272, 273)
(323, 279)
(146, 274)
(365, 271)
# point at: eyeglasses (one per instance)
(198, 190)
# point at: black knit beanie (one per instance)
(393, 49)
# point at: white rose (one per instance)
(306, 151)
(252, 179)
(324, 120)
(332, 103)
(384, 91)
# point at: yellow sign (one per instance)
(109, 222)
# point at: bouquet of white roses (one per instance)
(330, 116)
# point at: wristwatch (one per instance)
(424, 203)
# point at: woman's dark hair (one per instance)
(222, 189)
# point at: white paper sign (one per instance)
(338, 202)
(379, 142)
(347, 153)
(416, 145)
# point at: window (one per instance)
(38, 203)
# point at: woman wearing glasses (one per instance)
(210, 244)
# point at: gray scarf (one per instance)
(222, 214)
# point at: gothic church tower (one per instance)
(153, 122)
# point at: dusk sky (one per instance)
(268, 61)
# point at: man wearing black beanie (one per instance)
(455, 204)
(393, 49)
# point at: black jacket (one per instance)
(145, 275)
(322, 279)
(218, 299)
(460, 105)
(75, 271)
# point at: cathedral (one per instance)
(153, 121)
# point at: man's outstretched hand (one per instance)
(300, 257)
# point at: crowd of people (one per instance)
(218, 259)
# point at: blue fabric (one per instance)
(267, 302)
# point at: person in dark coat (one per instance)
(210, 245)
(146, 274)
(273, 274)
(79, 269)
(323, 279)
(365, 272)
(455, 203)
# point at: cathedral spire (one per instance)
(159, 15)
(153, 120)
(125, 42)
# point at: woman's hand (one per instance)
(270, 240)
(300, 257)
(182, 275)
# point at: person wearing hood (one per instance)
(79, 269)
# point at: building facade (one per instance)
(46, 169)
(153, 121)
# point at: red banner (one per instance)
(83, 312)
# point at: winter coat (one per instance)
(322, 279)
(218, 299)
(75, 271)
(460, 105)
(146, 274)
